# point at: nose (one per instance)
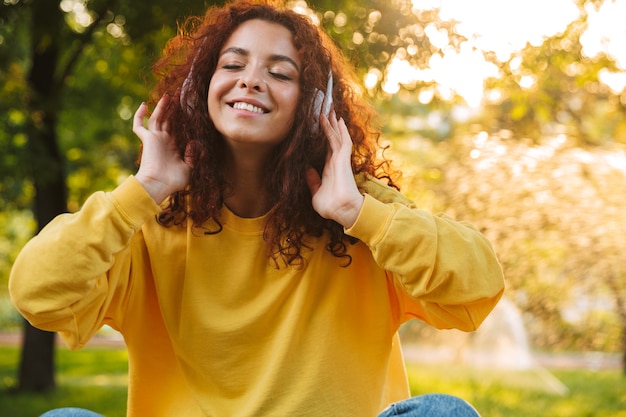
(252, 79)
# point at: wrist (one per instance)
(155, 188)
(350, 211)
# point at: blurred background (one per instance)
(507, 114)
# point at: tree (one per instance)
(48, 175)
(554, 212)
(57, 40)
(374, 33)
(555, 88)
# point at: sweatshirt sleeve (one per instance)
(445, 272)
(73, 275)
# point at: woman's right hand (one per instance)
(161, 171)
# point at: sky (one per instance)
(504, 27)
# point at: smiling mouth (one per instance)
(240, 105)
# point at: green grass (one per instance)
(528, 393)
(95, 378)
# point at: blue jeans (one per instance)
(70, 412)
(431, 405)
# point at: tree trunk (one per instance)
(36, 370)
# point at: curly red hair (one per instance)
(184, 72)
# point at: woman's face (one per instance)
(255, 89)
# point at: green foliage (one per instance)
(103, 74)
(13, 153)
(18, 227)
(566, 95)
(372, 33)
(9, 317)
(95, 128)
(551, 211)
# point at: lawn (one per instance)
(93, 378)
(96, 378)
(528, 393)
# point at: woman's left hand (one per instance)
(335, 194)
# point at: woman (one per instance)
(261, 260)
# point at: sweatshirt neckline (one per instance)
(251, 225)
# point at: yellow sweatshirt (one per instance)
(214, 329)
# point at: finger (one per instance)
(157, 117)
(165, 125)
(332, 118)
(344, 134)
(332, 134)
(140, 114)
(332, 121)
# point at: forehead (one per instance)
(263, 38)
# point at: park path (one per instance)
(15, 339)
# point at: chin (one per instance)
(255, 141)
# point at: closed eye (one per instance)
(232, 66)
(280, 76)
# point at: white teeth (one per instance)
(240, 105)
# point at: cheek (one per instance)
(211, 91)
(213, 97)
(217, 86)
(290, 100)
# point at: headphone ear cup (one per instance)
(322, 103)
(327, 102)
(316, 109)
(188, 91)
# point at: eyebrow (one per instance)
(273, 58)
